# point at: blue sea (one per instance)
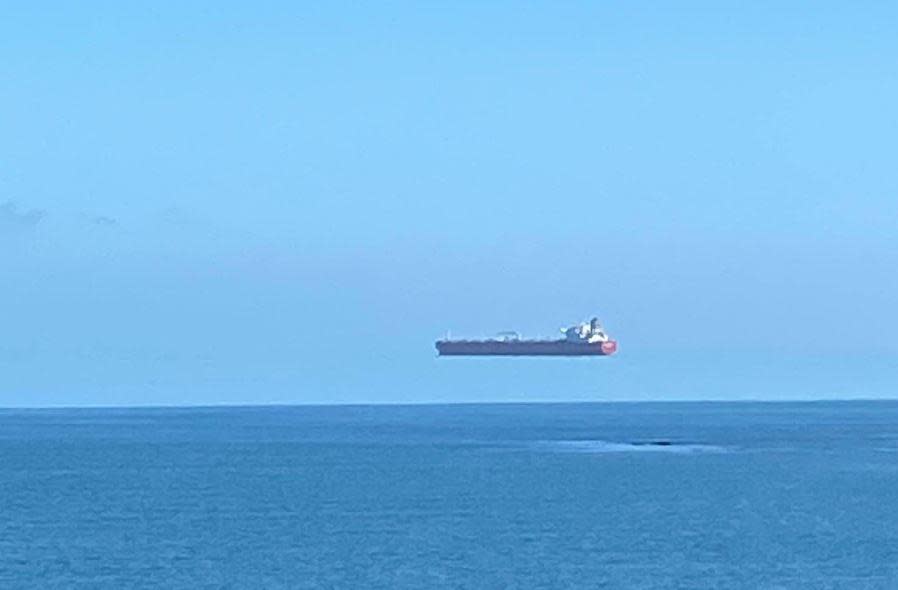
(554, 496)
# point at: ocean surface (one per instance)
(679, 495)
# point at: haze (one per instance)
(289, 202)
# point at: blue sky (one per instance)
(288, 202)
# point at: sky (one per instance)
(288, 202)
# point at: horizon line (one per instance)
(445, 403)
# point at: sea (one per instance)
(480, 496)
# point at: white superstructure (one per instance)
(591, 331)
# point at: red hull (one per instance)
(524, 348)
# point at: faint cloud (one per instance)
(15, 219)
(105, 221)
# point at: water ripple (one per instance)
(606, 446)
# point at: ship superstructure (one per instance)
(586, 339)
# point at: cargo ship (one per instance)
(586, 339)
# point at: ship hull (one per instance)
(524, 348)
